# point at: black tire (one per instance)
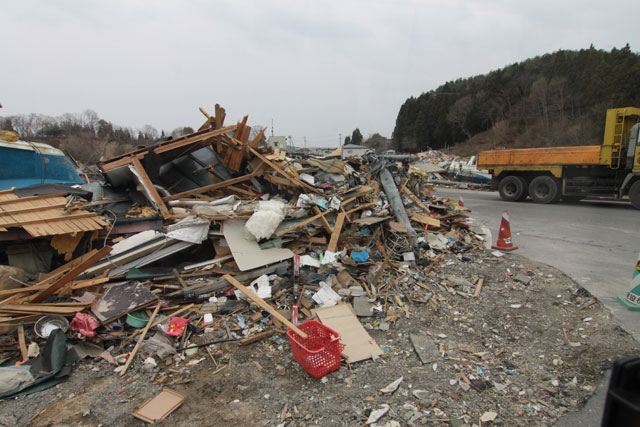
(634, 194)
(525, 189)
(511, 188)
(544, 189)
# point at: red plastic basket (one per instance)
(319, 353)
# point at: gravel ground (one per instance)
(519, 354)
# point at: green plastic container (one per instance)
(137, 319)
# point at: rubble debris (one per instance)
(203, 228)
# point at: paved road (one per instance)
(594, 242)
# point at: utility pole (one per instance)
(339, 139)
(271, 127)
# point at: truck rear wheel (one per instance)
(511, 188)
(525, 191)
(634, 194)
(544, 189)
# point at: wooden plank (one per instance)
(415, 199)
(220, 116)
(22, 343)
(335, 236)
(133, 353)
(146, 181)
(49, 220)
(44, 309)
(301, 223)
(30, 198)
(33, 209)
(45, 277)
(255, 141)
(423, 219)
(177, 276)
(476, 294)
(211, 187)
(192, 139)
(255, 298)
(72, 274)
(325, 223)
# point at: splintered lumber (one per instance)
(72, 274)
(415, 199)
(133, 353)
(255, 141)
(149, 187)
(362, 206)
(180, 279)
(54, 274)
(22, 343)
(41, 309)
(216, 285)
(301, 223)
(337, 228)
(275, 167)
(255, 298)
(424, 219)
(211, 187)
(325, 223)
(166, 146)
(476, 294)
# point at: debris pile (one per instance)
(213, 247)
(157, 256)
(446, 169)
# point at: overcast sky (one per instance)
(317, 68)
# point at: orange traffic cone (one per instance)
(461, 202)
(504, 242)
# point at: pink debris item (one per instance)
(85, 324)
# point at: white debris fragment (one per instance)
(264, 222)
(393, 386)
(378, 413)
(488, 416)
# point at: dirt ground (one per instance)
(526, 352)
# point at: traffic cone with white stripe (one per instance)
(504, 242)
(632, 299)
(461, 202)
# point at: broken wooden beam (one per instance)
(335, 236)
(301, 223)
(72, 274)
(262, 303)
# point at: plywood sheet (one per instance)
(359, 344)
(247, 253)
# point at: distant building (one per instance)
(277, 142)
(352, 150)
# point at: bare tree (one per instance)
(459, 112)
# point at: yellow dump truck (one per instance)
(573, 173)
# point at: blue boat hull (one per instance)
(21, 167)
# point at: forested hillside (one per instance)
(555, 99)
(86, 137)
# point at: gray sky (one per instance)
(317, 68)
